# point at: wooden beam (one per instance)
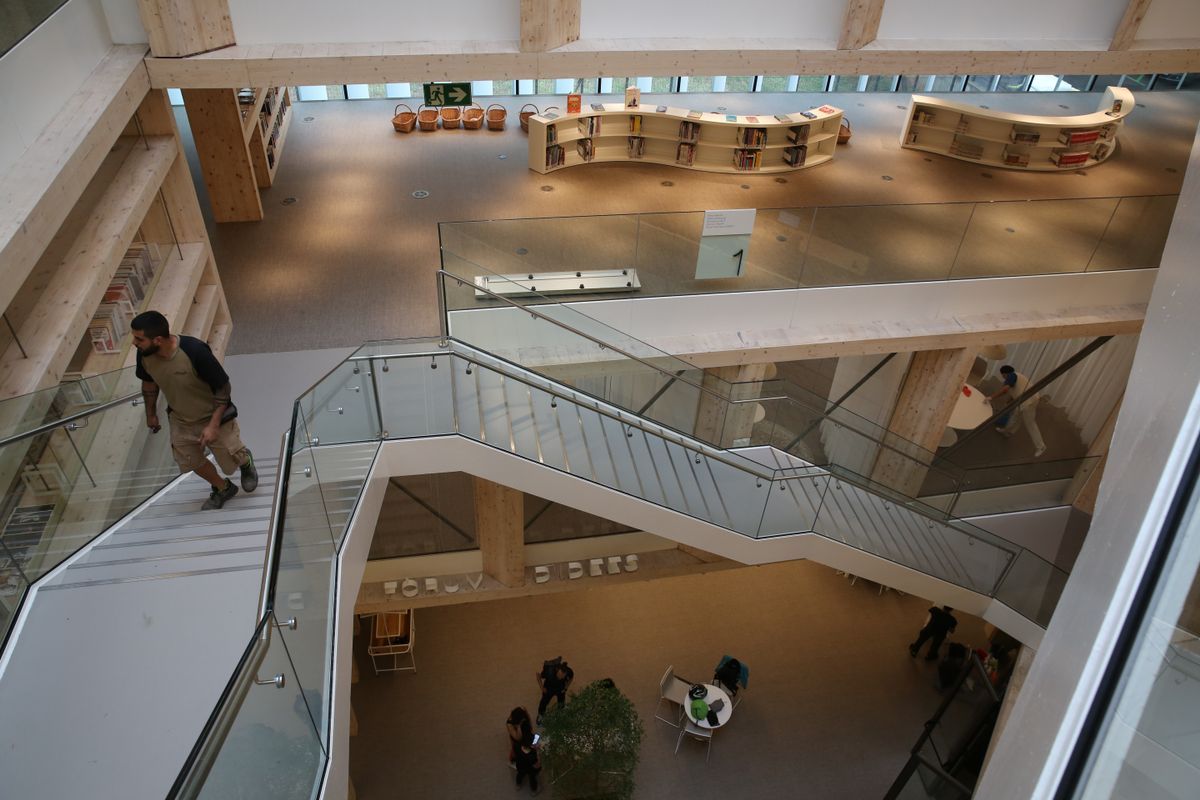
(500, 528)
(547, 24)
(860, 26)
(38, 193)
(927, 398)
(52, 329)
(1127, 28)
(378, 62)
(186, 27)
(216, 123)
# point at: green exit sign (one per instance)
(448, 94)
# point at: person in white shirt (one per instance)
(1013, 386)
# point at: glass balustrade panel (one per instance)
(1136, 234)
(414, 393)
(793, 502)
(341, 407)
(1032, 587)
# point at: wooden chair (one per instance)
(672, 690)
(393, 635)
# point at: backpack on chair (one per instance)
(728, 675)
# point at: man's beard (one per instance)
(148, 350)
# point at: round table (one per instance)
(714, 693)
(971, 409)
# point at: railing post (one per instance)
(379, 431)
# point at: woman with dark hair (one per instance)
(519, 726)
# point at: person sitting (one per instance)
(519, 727)
(554, 680)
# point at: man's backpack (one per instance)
(550, 665)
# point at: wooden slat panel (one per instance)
(38, 193)
(186, 27)
(224, 155)
(1127, 28)
(52, 330)
(178, 285)
(860, 26)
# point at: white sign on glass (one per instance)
(724, 243)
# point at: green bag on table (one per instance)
(699, 709)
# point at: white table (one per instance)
(971, 409)
(714, 693)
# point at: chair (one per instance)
(743, 681)
(696, 732)
(393, 634)
(672, 689)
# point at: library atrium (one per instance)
(844, 347)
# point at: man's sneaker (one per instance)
(217, 497)
(249, 474)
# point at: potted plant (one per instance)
(592, 744)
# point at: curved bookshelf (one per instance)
(684, 138)
(1016, 141)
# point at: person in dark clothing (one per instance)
(520, 727)
(554, 679)
(941, 622)
(528, 763)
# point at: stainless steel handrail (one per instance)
(274, 531)
(49, 426)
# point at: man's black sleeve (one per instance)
(139, 370)
(205, 363)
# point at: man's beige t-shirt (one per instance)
(190, 398)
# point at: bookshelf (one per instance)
(239, 136)
(684, 138)
(1017, 141)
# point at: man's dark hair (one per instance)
(947, 609)
(1007, 368)
(152, 324)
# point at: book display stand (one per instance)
(683, 138)
(1016, 141)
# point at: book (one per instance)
(550, 115)
(597, 106)
(661, 109)
(752, 137)
(746, 160)
(636, 146)
(752, 119)
(923, 117)
(1015, 158)
(1024, 136)
(798, 134)
(783, 118)
(1078, 137)
(689, 131)
(966, 149)
(1068, 158)
(635, 123)
(1101, 151)
(808, 114)
(633, 97)
(585, 148)
(555, 156)
(695, 114)
(574, 103)
(794, 156)
(827, 110)
(590, 126)
(685, 153)
(551, 134)
(731, 117)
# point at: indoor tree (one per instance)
(592, 744)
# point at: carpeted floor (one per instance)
(834, 702)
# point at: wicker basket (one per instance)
(472, 117)
(844, 132)
(525, 115)
(404, 121)
(497, 115)
(427, 117)
(451, 116)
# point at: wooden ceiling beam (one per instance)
(547, 24)
(860, 26)
(186, 27)
(1127, 28)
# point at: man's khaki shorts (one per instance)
(228, 447)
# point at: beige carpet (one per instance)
(833, 707)
(353, 258)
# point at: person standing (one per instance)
(941, 622)
(1013, 386)
(528, 763)
(519, 726)
(554, 679)
(199, 409)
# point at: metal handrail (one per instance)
(278, 504)
(49, 426)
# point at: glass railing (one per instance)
(74, 459)
(791, 248)
(22, 17)
(278, 701)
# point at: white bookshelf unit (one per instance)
(681, 137)
(1016, 141)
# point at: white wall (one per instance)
(772, 19)
(44, 70)
(1023, 20)
(124, 22)
(276, 21)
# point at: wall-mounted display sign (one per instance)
(724, 243)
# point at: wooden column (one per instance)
(500, 526)
(927, 398)
(860, 26)
(186, 27)
(721, 422)
(1086, 483)
(224, 154)
(547, 24)
(1127, 28)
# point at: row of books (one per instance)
(123, 297)
(555, 157)
(966, 149)
(635, 123)
(552, 133)
(747, 159)
(794, 156)
(589, 126)
(689, 131)
(636, 146)
(586, 149)
(752, 137)
(685, 153)
(798, 134)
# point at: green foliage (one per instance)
(592, 745)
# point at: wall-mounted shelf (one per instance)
(684, 138)
(1016, 141)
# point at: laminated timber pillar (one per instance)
(719, 421)
(927, 398)
(178, 28)
(500, 526)
(224, 154)
(547, 24)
